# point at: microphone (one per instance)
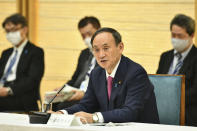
(48, 105)
(43, 117)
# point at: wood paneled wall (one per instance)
(29, 9)
(8, 7)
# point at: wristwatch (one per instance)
(95, 118)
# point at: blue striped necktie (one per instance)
(179, 63)
(9, 70)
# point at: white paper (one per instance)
(64, 95)
(60, 120)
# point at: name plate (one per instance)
(60, 120)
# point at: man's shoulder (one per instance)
(85, 51)
(130, 65)
(33, 47)
(194, 49)
(8, 50)
(168, 52)
(192, 55)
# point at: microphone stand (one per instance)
(42, 117)
(48, 105)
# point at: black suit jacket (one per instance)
(28, 76)
(189, 69)
(82, 68)
(132, 96)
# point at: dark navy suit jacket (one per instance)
(132, 97)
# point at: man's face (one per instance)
(87, 31)
(106, 52)
(10, 27)
(181, 33)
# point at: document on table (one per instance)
(64, 120)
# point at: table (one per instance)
(19, 122)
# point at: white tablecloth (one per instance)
(18, 122)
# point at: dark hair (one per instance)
(89, 20)
(15, 19)
(116, 35)
(185, 22)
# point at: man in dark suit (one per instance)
(119, 89)
(87, 26)
(182, 60)
(21, 68)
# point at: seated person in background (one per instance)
(182, 60)
(87, 26)
(21, 68)
(119, 89)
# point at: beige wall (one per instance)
(144, 25)
(7, 8)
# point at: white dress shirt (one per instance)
(12, 75)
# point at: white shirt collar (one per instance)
(114, 70)
(184, 54)
(20, 48)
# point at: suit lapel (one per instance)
(117, 81)
(102, 86)
(23, 56)
(187, 60)
(7, 56)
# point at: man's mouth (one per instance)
(102, 61)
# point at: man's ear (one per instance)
(192, 35)
(121, 45)
(26, 30)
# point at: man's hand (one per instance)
(84, 117)
(78, 95)
(3, 92)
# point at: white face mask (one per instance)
(14, 37)
(87, 41)
(179, 44)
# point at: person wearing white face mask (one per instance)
(87, 26)
(21, 68)
(182, 60)
(87, 41)
(14, 37)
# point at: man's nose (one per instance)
(101, 54)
